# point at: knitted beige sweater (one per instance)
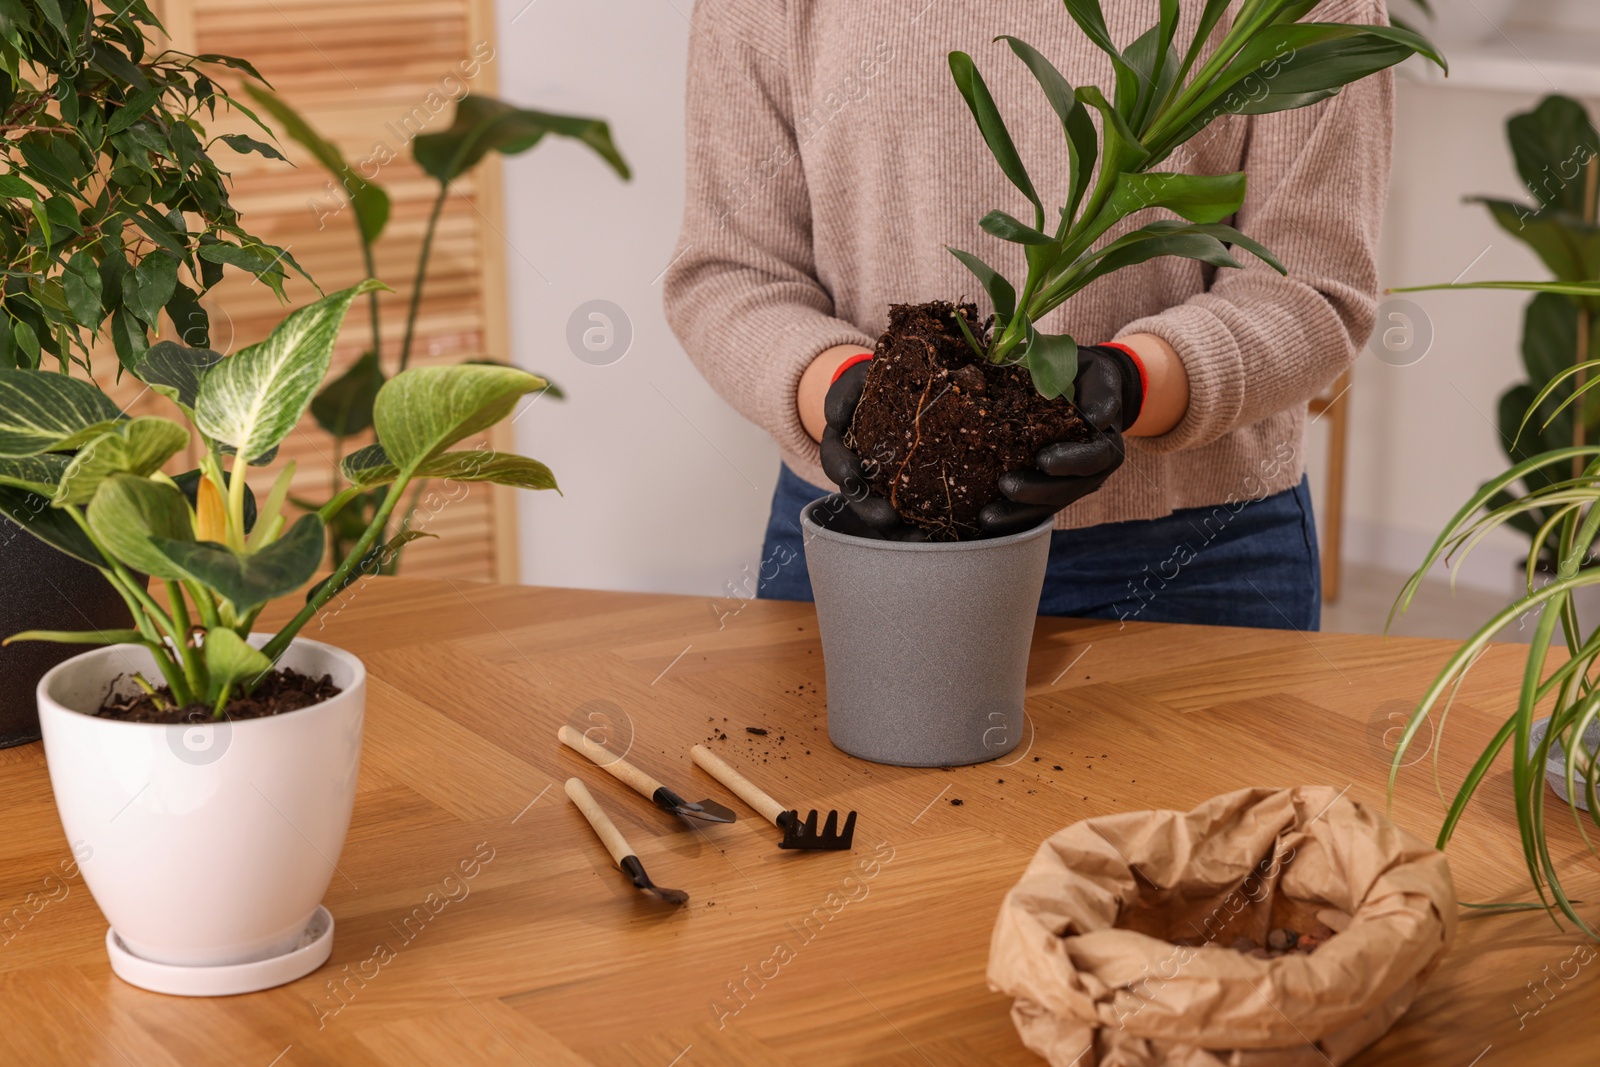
(831, 160)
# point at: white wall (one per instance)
(667, 489)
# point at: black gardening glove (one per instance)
(1109, 394)
(847, 470)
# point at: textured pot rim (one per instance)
(812, 528)
(50, 704)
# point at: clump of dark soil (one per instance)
(281, 691)
(937, 425)
(1281, 941)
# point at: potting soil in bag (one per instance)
(1085, 942)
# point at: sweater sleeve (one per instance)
(741, 292)
(1257, 342)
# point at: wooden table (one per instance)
(551, 959)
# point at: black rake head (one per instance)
(805, 835)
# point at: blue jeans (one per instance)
(1251, 563)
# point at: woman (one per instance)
(831, 160)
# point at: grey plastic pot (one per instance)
(925, 645)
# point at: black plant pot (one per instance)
(43, 589)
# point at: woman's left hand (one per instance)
(1109, 393)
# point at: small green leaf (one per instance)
(344, 407)
(1052, 361)
(137, 107)
(253, 399)
(176, 371)
(230, 660)
(81, 280)
(128, 511)
(1009, 228)
(14, 187)
(483, 123)
(1196, 197)
(423, 411)
(41, 411)
(1083, 143)
(245, 144)
(152, 283)
(138, 447)
(1548, 144)
(1001, 293)
(248, 581)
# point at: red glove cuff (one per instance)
(862, 357)
(1144, 375)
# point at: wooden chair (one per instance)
(1338, 414)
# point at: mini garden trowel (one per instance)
(634, 778)
(617, 845)
(797, 833)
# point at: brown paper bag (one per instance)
(1082, 941)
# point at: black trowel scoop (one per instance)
(634, 778)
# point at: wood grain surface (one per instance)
(545, 955)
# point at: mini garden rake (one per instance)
(797, 834)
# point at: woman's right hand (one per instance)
(848, 470)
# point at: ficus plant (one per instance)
(1561, 489)
(481, 124)
(113, 208)
(89, 481)
(1166, 92)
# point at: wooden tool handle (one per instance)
(608, 761)
(604, 828)
(747, 790)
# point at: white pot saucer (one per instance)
(310, 953)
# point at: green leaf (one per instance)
(1567, 245)
(230, 660)
(1001, 293)
(1083, 143)
(152, 283)
(1052, 361)
(993, 127)
(135, 108)
(1009, 228)
(41, 411)
(1551, 145)
(380, 559)
(78, 637)
(128, 511)
(1121, 145)
(53, 526)
(138, 447)
(344, 407)
(14, 187)
(370, 467)
(176, 371)
(81, 281)
(1196, 197)
(248, 581)
(36, 474)
(423, 411)
(483, 123)
(1090, 19)
(253, 399)
(245, 144)
(369, 201)
(129, 336)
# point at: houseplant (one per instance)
(115, 215)
(1557, 153)
(885, 692)
(481, 124)
(187, 751)
(1566, 498)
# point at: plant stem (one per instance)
(193, 665)
(422, 274)
(236, 486)
(372, 298)
(280, 641)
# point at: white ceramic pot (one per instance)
(208, 847)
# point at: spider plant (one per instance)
(1267, 61)
(85, 479)
(1564, 489)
